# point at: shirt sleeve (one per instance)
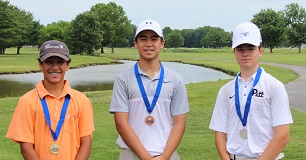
(21, 128)
(280, 106)
(119, 102)
(179, 102)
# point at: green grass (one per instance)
(198, 141)
(26, 62)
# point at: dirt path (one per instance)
(296, 89)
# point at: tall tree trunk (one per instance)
(80, 51)
(271, 50)
(18, 49)
(1, 50)
(113, 50)
(300, 45)
(102, 49)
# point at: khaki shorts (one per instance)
(126, 154)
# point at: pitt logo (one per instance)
(245, 33)
(257, 93)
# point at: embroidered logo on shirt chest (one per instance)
(257, 93)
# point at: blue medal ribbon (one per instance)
(249, 99)
(55, 134)
(143, 92)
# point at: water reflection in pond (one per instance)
(95, 78)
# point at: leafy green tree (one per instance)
(56, 30)
(114, 22)
(166, 31)
(198, 34)
(295, 17)
(175, 39)
(17, 27)
(130, 37)
(188, 37)
(35, 33)
(272, 27)
(25, 28)
(85, 34)
(8, 26)
(227, 39)
(216, 37)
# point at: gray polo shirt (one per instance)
(172, 101)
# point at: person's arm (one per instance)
(220, 140)
(85, 148)
(129, 137)
(27, 151)
(277, 144)
(175, 137)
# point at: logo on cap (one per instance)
(148, 23)
(49, 46)
(245, 33)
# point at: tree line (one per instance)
(106, 25)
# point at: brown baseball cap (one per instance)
(54, 48)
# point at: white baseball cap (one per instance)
(149, 24)
(246, 32)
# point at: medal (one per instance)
(244, 134)
(54, 148)
(149, 120)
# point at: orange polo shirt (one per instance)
(29, 124)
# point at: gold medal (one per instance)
(149, 120)
(244, 134)
(54, 148)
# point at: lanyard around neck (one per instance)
(249, 98)
(55, 134)
(143, 92)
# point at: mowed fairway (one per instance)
(198, 141)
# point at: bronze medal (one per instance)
(54, 148)
(149, 120)
(244, 134)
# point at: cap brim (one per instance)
(148, 29)
(54, 54)
(255, 43)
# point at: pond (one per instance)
(101, 77)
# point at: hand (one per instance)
(161, 157)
